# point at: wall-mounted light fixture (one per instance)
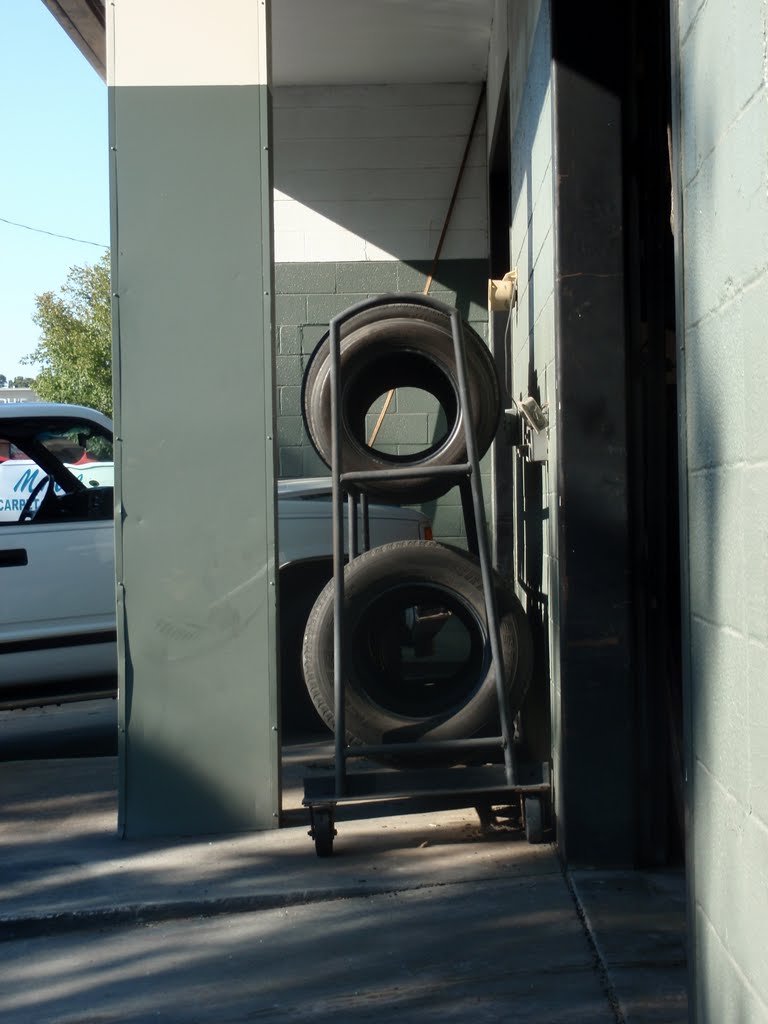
(502, 294)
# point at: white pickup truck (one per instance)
(57, 585)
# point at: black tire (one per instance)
(299, 588)
(323, 832)
(534, 818)
(393, 699)
(396, 346)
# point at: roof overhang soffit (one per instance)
(342, 41)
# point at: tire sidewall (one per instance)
(367, 339)
(368, 577)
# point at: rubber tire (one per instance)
(453, 575)
(391, 346)
(324, 832)
(299, 589)
(534, 819)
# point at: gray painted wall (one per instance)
(523, 33)
(724, 175)
(196, 621)
(192, 276)
(533, 360)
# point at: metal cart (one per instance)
(481, 786)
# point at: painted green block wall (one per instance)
(307, 295)
(724, 218)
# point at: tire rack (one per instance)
(444, 787)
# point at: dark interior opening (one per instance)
(652, 412)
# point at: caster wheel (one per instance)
(534, 819)
(323, 832)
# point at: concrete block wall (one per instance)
(363, 177)
(523, 29)
(724, 127)
(532, 328)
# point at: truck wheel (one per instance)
(418, 663)
(402, 345)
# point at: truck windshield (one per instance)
(75, 455)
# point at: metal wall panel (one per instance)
(196, 529)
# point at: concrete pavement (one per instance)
(416, 916)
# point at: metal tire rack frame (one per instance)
(465, 786)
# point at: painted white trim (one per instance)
(187, 43)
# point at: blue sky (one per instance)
(54, 171)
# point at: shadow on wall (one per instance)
(717, 435)
(715, 722)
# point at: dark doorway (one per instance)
(621, 780)
(652, 412)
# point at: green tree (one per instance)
(21, 382)
(75, 348)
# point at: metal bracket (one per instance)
(532, 429)
(513, 428)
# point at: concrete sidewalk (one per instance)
(419, 916)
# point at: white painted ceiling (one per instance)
(335, 42)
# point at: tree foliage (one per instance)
(75, 348)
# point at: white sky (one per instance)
(54, 171)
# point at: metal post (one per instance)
(366, 522)
(470, 520)
(352, 506)
(483, 550)
(338, 562)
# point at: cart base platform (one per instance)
(447, 788)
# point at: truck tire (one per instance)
(397, 346)
(392, 696)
